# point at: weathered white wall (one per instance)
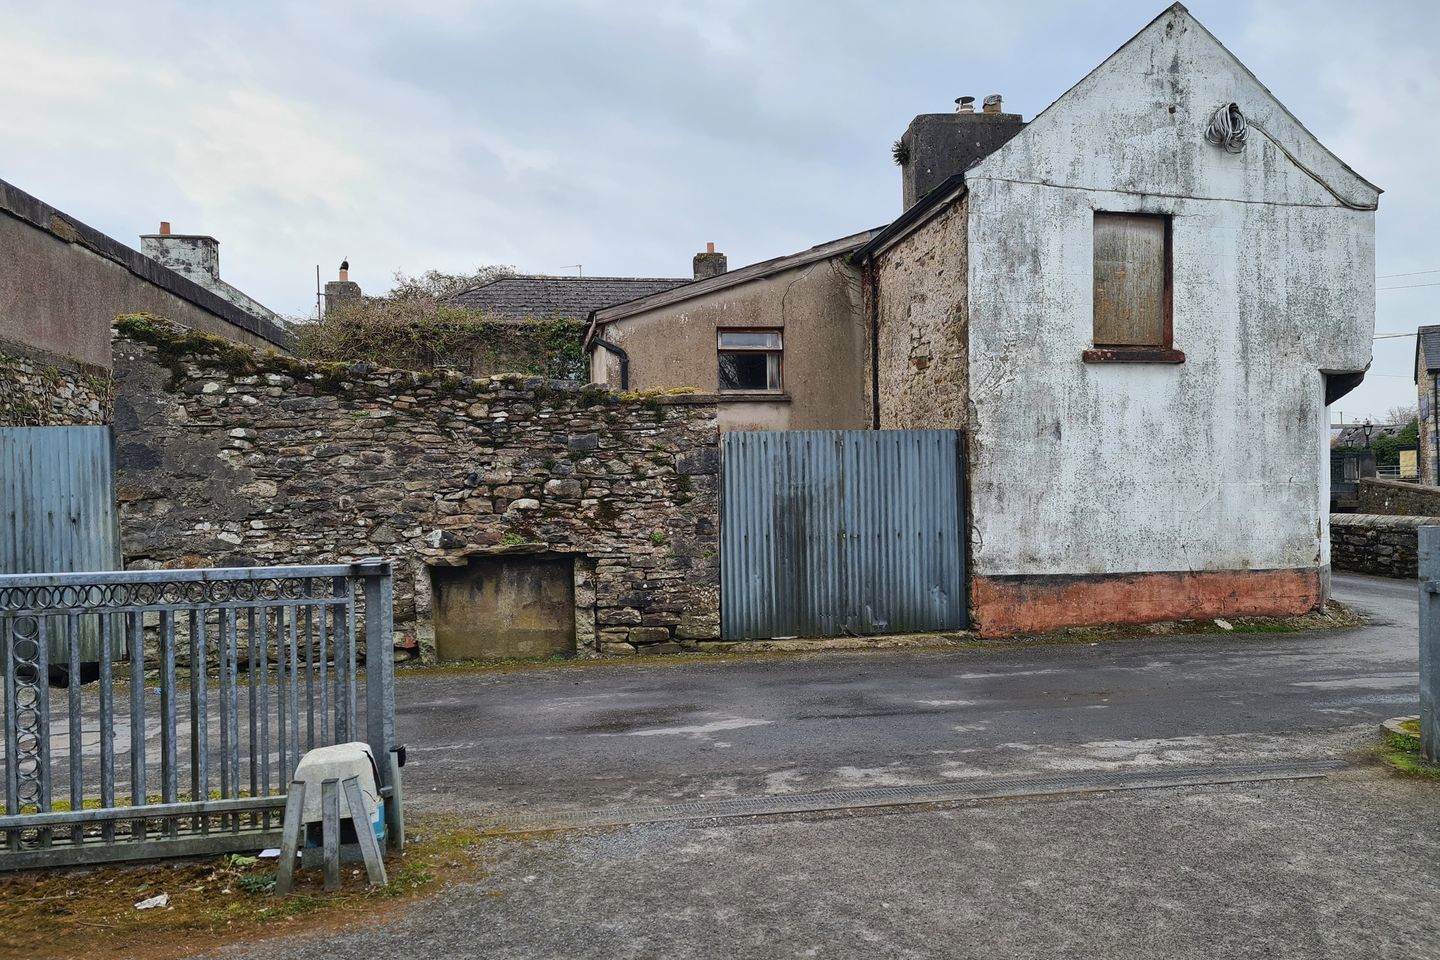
(197, 258)
(1214, 464)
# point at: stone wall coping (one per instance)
(352, 378)
(1380, 520)
(1406, 485)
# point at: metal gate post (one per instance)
(1430, 643)
(380, 678)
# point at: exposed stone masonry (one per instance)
(37, 394)
(1397, 498)
(228, 457)
(1381, 545)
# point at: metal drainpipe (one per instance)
(619, 351)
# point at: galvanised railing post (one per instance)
(1429, 556)
(379, 657)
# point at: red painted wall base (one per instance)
(1033, 604)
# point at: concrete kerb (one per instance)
(1395, 726)
(1335, 617)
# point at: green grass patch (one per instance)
(1402, 753)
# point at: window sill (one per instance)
(1132, 355)
(759, 396)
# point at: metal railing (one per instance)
(232, 675)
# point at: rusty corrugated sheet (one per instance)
(832, 532)
(57, 505)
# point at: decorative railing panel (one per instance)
(188, 747)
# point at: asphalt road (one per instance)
(585, 736)
(1342, 866)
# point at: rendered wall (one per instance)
(62, 283)
(826, 372)
(1116, 471)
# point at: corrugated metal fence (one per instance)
(57, 508)
(831, 532)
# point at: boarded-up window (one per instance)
(1132, 289)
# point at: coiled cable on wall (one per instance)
(1228, 128)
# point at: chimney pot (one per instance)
(992, 104)
(710, 247)
(164, 228)
(964, 104)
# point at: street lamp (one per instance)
(1366, 428)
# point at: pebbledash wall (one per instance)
(232, 457)
(52, 392)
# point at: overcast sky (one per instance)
(624, 135)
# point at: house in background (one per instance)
(1111, 304)
(783, 342)
(1115, 309)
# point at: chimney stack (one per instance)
(936, 146)
(342, 292)
(710, 263)
(194, 256)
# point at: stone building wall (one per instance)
(922, 319)
(1395, 498)
(36, 393)
(228, 457)
(1385, 546)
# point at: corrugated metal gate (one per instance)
(57, 508)
(831, 532)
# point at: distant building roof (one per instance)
(521, 297)
(1427, 348)
(1353, 434)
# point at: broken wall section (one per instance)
(230, 457)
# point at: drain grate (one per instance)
(990, 788)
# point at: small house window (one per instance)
(750, 360)
(1132, 288)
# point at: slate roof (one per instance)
(754, 271)
(523, 297)
(1427, 348)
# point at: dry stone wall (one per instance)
(1385, 546)
(229, 457)
(34, 393)
(1397, 498)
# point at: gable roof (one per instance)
(755, 271)
(951, 189)
(526, 297)
(1293, 140)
